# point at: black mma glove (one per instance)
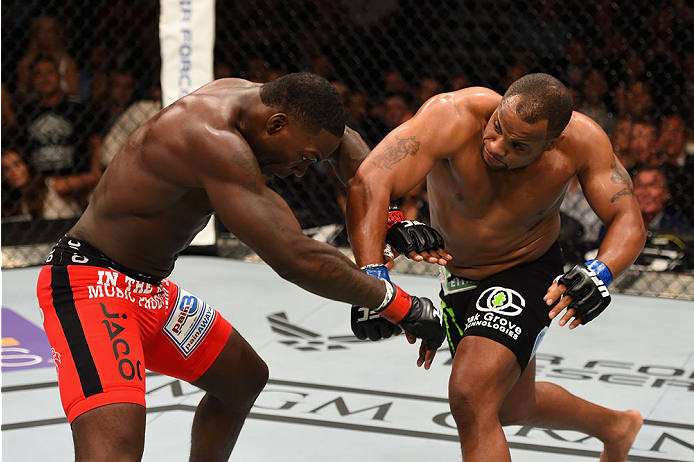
(417, 316)
(406, 235)
(365, 322)
(587, 287)
(369, 325)
(424, 320)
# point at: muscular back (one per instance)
(150, 202)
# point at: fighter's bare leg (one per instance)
(548, 405)
(483, 372)
(115, 432)
(232, 383)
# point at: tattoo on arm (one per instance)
(392, 154)
(620, 176)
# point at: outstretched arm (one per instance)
(261, 219)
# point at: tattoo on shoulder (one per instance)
(621, 176)
(391, 153)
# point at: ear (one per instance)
(275, 123)
(555, 142)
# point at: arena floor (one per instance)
(333, 398)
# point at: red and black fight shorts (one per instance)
(506, 307)
(107, 323)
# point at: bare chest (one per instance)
(473, 192)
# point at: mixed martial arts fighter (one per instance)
(109, 309)
(497, 169)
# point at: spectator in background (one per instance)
(345, 97)
(47, 40)
(8, 118)
(398, 109)
(619, 100)
(17, 200)
(620, 136)
(458, 82)
(93, 77)
(633, 66)
(395, 109)
(130, 120)
(653, 193)
(394, 82)
(577, 63)
(56, 135)
(256, 70)
(320, 65)
(121, 89)
(27, 195)
(594, 95)
(426, 88)
(678, 165)
(274, 74)
(358, 107)
(643, 146)
(672, 140)
(222, 70)
(639, 100)
(513, 73)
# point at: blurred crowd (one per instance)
(72, 96)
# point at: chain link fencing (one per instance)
(630, 66)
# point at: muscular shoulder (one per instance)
(194, 139)
(455, 116)
(585, 141)
(477, 102)
(480, 102)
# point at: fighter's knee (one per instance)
(256, 377)
(262, 375)
(466, 401)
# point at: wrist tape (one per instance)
(377, 270)
(396, 303)
(601, 270)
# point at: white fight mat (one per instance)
(334, 398)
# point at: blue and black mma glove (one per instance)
(408, 235)
(586, 284)
(416, 316)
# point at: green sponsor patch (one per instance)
(452, 284)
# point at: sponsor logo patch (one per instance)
(501, 300)
(189, 322)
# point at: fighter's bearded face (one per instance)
(509, 142)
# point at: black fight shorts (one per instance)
(506, 307)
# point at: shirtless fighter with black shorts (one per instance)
(497, 169)
(109, 309)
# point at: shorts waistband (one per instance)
(451, 283)
(71, 251)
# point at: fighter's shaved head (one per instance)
(541, 97)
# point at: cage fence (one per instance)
(629, 65)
